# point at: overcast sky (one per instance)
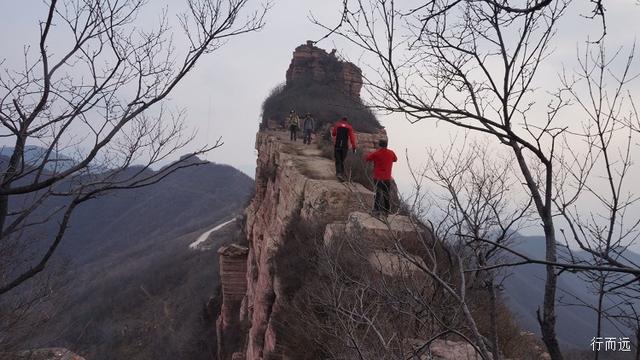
(224, 93)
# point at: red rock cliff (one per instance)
(292, 181)
(311, 63)
(289, 181)
(233, 272)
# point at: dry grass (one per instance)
(320, 281)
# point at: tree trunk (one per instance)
(599, 314)
(548, 321)
(543, 207)
(14, 162)
(493, 319)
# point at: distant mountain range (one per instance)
(34, 155)
(127, 285)
(524, 290)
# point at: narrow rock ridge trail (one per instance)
(294, 182)
(382, 234)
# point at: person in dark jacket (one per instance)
(383, 160)
(294, 123)
(308, 127)
(342, 134)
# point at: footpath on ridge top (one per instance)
(295, 182)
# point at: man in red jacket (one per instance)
(342, 134)
(383, 160)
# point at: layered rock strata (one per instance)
(233, 273)
(294, 183)
(313, 64)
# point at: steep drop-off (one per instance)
(293, 183)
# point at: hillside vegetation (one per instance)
(126, 285)
(326, 102)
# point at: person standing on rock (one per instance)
(308, 126)
(294, 122)
(383, 160)
(342, 134)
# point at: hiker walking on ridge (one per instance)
(294, 123)
(308, 127)
(383, 160)
(342, 134)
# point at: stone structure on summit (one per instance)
(311, 63)
(322, 84)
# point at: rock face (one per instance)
(311, 63)
(292, 182)
(233, 272)
(295, 183)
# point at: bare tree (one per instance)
(99, 99)
(478, 212)
(600, 175)
(473, 65)
(362, 303)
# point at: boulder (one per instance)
(390, 234)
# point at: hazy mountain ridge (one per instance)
(132, 288)
(576, 324)
(34, 155)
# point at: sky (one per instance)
(223, 94)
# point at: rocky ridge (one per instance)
(293, 181)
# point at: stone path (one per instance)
(384, 237)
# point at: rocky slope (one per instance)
(289, 180)
(293, 183)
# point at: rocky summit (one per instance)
(313, 64)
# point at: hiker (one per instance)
(342, 134)
(383, 160)
(308, 126)
(294, 122)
